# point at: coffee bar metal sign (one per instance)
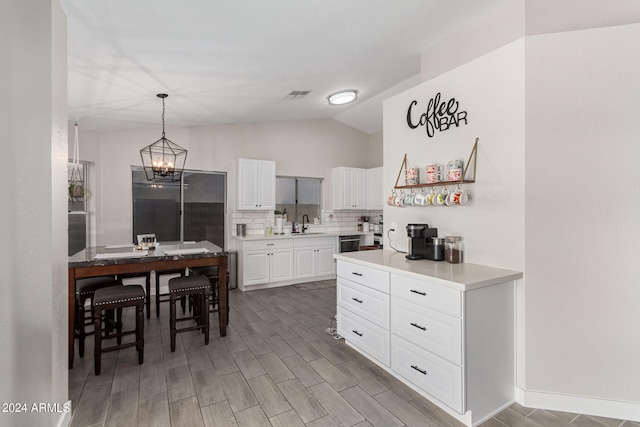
(439, 115)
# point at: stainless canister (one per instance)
(438, 248)
(241, 230)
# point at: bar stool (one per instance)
(85, 290)
(147, 285)
(172, 271)
(190, 286)
(212, 274)
(117, 298)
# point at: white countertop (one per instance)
(463, 276)
(250, 237)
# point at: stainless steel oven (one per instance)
(349, 243)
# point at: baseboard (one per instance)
(64, 419)
(579, 405)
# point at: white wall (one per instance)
(583, 199)
(309, 148)
(33, 224)
(578, 324)
(491, 90)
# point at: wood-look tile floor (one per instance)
(277, 366)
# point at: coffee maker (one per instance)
(420, 241)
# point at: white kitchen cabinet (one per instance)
(256, 184)
(453, 345)
(375, 190)
(349, 188)
(282, 261)
(266, 261)
(363, 309)
(313, 257)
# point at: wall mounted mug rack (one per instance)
(463, 178)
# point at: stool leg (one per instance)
(205, 313)
(97, 350)
(119, 325)
(140, 333)
(172, 321)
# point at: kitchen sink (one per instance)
(307, 234)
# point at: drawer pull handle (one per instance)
(415, 325)
(357, 333)
(357, 300)
(419, 370)
(357, 274)
(424, 294)
(270, 244)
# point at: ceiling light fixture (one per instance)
(163, 160)
(343, 97)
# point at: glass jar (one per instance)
(454, 249)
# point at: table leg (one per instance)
(223, 296)
(72, 313)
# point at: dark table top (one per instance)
(127, 254)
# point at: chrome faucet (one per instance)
(303, 226)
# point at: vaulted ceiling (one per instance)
(236, 61)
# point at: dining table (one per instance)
(120, 259)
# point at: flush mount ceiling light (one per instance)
(163, 160)
(343, 97)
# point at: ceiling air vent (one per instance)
(297, 94)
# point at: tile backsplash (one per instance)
(331, 221)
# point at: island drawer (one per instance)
(434, 331)
(436, 297)
(436, 376)
(367, 276)
(365, 302)
(370, 338)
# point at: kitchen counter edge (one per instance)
(251, 237)
(463, 276)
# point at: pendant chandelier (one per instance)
(78, 191)
(163, 160)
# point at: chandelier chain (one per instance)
(162, 117)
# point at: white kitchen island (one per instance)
(446, 330)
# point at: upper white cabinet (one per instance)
(256, 184)
(375, 192)
(349, 188)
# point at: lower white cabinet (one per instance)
(372, 339)
(313, 257)
(455, 347)
(436, 376)
(267, 263)
(363, 309)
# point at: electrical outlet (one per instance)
(394, 227)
